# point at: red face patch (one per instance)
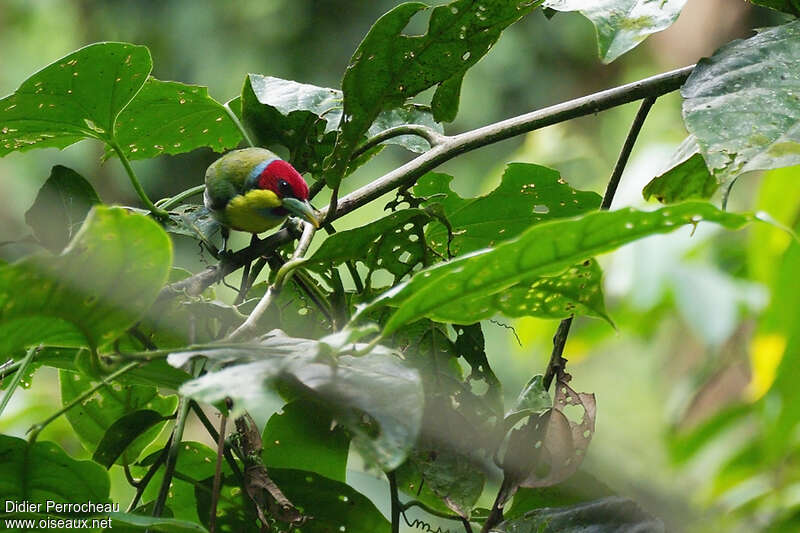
(280, 171)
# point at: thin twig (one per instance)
(212, 520)
(172, 457)
(397, 507)
(454, 146)
(249, 326)
(145, 480)
(234, 466)
(433, 137)
(18, 377)
(167, 203)
(238, 124)
(557, 361)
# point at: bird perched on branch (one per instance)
(254, 190)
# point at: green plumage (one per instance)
(229, 199)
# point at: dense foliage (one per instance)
(372, 342)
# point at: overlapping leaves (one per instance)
(376, 396)
(389, 66)
(446, 291)
(75, 299)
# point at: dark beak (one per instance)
(302, 209)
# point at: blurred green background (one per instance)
(685, 307)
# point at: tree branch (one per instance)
(455, 145)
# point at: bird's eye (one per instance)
(284, 188)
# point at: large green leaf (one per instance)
(622, 24)
(743, 103)
(168, 117)
(101, 285)
(78, 96)
(137, 522)
(304, 119)
(686, 178)
(304, 437)
(60, 207)
(527, 195)
(388, 67)
(375, 396)
(444, 291)
(609, 515)
(331, 505)
(41, 471)
(97, 415)
(122, 434)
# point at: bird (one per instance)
(253, 190)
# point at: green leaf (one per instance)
(743, 105)
(195, 461)
(389, 67)
(164, 525)
(578, 488)
(122, 433)
(685, 445)
(76, 299)
(333, 505)
(168, 117)
(41, 471)
(60, 207)
(304, 119)
(445, 290)
(787, 6)
(609, 515)
(533, 398)
(78, 96)
(193, 220)
(98, 419)
(378, 385)
(527, 195)
(303, 436)
(622, 24)
(687, 177)
(395, 242)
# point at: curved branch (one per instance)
(455, 145)
(433, 137)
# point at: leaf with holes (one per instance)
(527, 195)
(377, 397)
(395, 242)
(622, 24)
(167, 117)
(333, 505)
(608, 515)
(60, 207)
(303, 436)
(100, 414)
(443, 292)
(389, 66)
(743, 103)
(77, 97)
(549, 447)
(76, 299)
(304, 119)
(687, 177)
(39, 472)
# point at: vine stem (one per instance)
(557, 361)
(395, 499)
(172, 457)
(212, 519)
(284, 273)
(36, 429)
(23, 367)
(433, 137)
(449, 148)
(181, 196)
(238, 124)
(137, 186)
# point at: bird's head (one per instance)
(281, 178)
